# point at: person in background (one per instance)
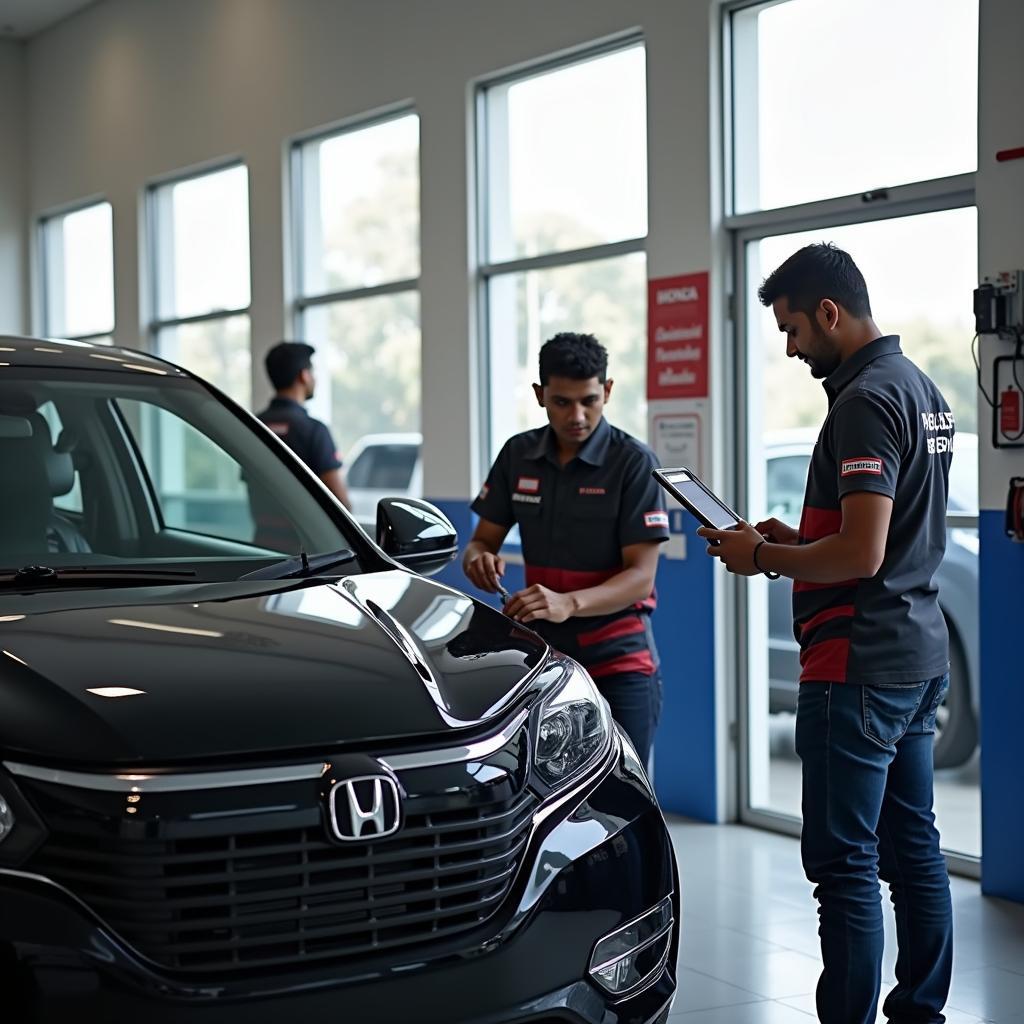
(290, 369)
(874, 650)
(591, 519)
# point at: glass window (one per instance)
(925, 299)
(805, 129)
(201, 290)
(207, 491)
(78, 273)
(567, 157)
(358, 259)
(606, 297)
(806, 147)
(562, 243)
(199, 487)
(367, 364)
(361, 216)
(69, 500)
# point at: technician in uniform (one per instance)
(591, 519)
(290, 369)
(874, 651)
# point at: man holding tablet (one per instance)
(874, 651)
(591, 518)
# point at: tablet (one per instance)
(696, 497)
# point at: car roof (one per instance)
(381, 440)
(19, 350)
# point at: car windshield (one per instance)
(110, 469)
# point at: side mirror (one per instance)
(416, 534)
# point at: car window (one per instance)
(786, 483)
(164, 472)
(71, 500)
(199, 487)
(384, 467)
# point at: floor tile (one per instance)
(749, 1013)
(750, 935)
(697, 991)
(988, 992)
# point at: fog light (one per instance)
(631, 955)
(6, 819)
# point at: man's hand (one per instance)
(734, 547)
(538, 602)
(485, 570)
(775, 531)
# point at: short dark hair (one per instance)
(816, 272)
(576, 356)
(286, 360)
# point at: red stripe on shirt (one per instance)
(840, 611)
(636, 661)
(825, 662)
(563, 580)
(816, 523)
(621, 627)
(802, 585)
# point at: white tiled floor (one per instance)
(749, 951)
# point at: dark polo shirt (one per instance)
(308, 438)
(888, 431)
(574, 521)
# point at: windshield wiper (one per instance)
(44, 575)
(301, 566)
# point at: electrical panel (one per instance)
(999, 305)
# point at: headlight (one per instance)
(574, 728)
(21, 830)
(6, 819)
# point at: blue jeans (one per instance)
(635, 702)
(867, 808)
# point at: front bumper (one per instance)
(598, 857)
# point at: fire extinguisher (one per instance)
(1010, 412)
(1015, 509)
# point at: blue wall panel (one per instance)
(684, 750)
(1002, 710)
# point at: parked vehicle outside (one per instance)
(379, 466)
(787, 455)
(255, 767)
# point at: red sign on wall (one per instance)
(677, 336)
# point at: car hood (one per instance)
(227, 670)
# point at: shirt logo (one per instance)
(528, 484)
(279, 428)
(484, 491)
(532, 499)
(592, 490)
(656, 518)
(851, 467)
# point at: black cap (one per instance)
(286, 360)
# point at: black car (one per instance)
(254, 767)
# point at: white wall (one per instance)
(1000, 195)
(13, 191)
(147, 88)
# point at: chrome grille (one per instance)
(243, 900)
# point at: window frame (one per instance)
(487, 270)
(300, 210)
(157, 323)
(46, 284)
(740, 229)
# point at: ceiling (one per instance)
(20, 19)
